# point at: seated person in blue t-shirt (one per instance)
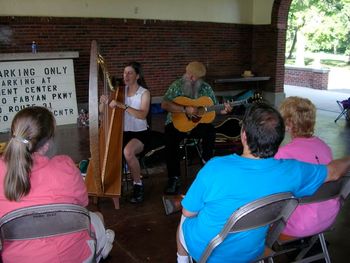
(226, 183)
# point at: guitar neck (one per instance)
(219, 107)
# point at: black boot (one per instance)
(173, 186)
(137, 196)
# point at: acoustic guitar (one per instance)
(229, 129)
(206, 111)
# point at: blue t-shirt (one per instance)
(226, 183)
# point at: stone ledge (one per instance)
(311, 69)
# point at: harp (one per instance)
(103, 178)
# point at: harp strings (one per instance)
(107, 89)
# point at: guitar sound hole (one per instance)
(195, 119)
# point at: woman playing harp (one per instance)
(103, 177)
(136, 133)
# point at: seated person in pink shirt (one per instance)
(299, 115)
(30, 177)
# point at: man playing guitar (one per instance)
(183, 102)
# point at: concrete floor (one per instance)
(145, 234)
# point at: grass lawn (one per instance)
(327, 63)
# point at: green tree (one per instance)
(325, 24)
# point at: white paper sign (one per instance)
(48, 83)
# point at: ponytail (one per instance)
(19, 163)
(30, 129)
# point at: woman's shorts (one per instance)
(142, 136)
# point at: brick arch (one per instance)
(279, 15)
(279, 23)
(269, 44)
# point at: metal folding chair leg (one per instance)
(322, 255)
(187, 142)
(344, 112)
(344, 107)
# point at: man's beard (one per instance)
(191, 89)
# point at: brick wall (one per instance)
(306, 77)
(163, 47)
(279, 22)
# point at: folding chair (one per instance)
(273, 210)
(329, 190)
(44, 221)
(344, 106)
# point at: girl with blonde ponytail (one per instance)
(28, 177)
(31, 129)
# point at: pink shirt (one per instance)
(312, 218)
(55, 180)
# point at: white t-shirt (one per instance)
(132, 123)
